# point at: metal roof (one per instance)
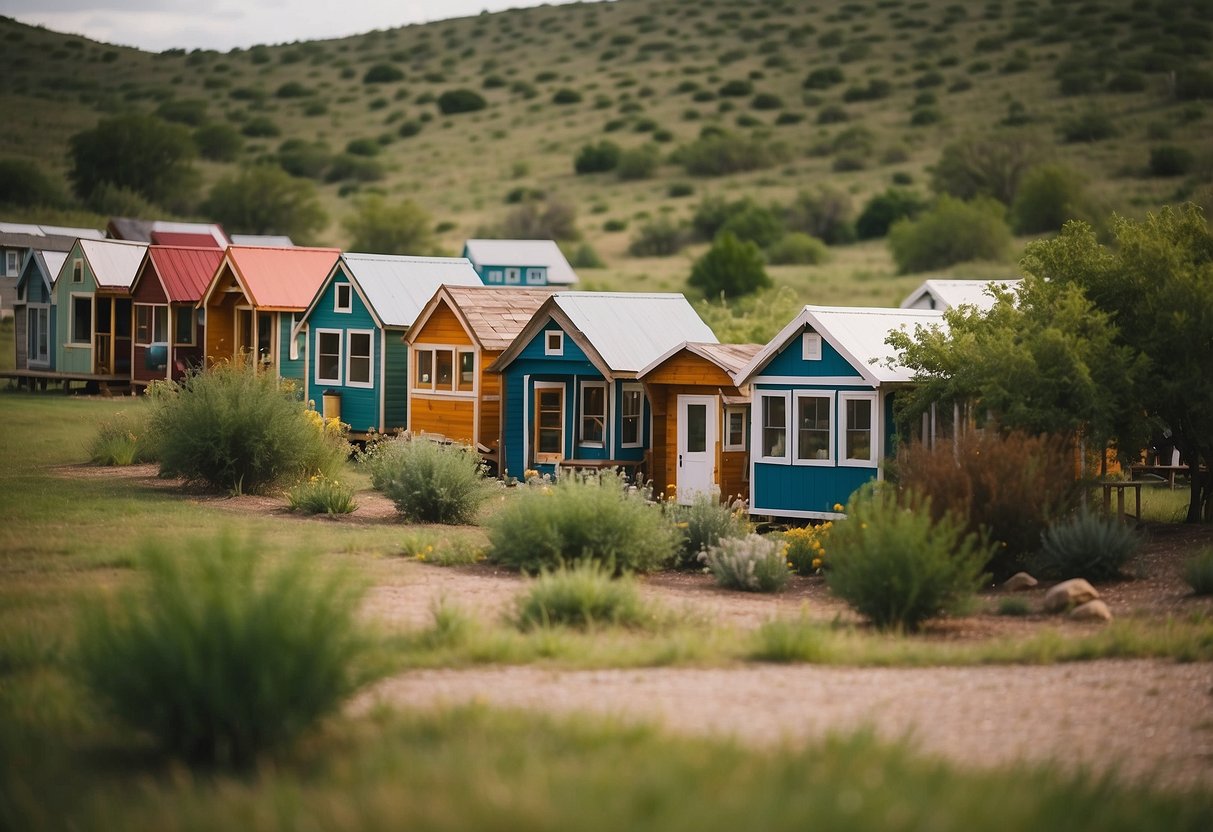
(950, 293)
(50, 231)
(284, 279)
(275, 240)
(114, 262)
(630, 329)
(857, 333)
(181, 238)
(129, 228)
(48, 264)
(493, 316)
(184, 272)
(398, 287)
(522, 253)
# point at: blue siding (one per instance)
(800, 488)
(790, 362)
(286, 367)
(359, 405)
(395, 382)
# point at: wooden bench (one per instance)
(1120, 487)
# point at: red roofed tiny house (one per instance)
(168, 330)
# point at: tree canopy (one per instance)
(139, 153)
(376, 227)
(264, 199)
(729, 269)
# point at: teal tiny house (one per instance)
(570, 380)
(356, 361)
(821, 395)
(533, 263)
(34, 312)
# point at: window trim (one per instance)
(71, 329)
(151, 329)
(832, 440)
(810, 346)
(631, 387)
(758, 426)
(582, 442)
(320, 333)
(348, 307)
(12, 256)
(77, 270)
(873, 430)
(548, 335)
(431, 388)
(349, 356)
(38, 311)
(535, 276)
(729, 411)
(513, 275)
(459, 354)
(541, 458)
(193, 328)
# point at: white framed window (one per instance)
(151, 324)
(811, 346)
(631, 409)
(535, 277)
(814, 411)
(553, 343)
(185, 332)
(593, 414)
(81, 328)
(328, 356)
(360, 358)
(342, 294)
(494, 275)
(734, 428)
(859, 429)
(772, 427)
(77, 271)
(12, 262)
(513, 274)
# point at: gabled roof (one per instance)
(951, 293)
(728, 357)
(147, 231)
(522, 253)
(114, 263)
(46, 263)
(44, 237)
(621, 332)
(277, 279)
(275, 240)
(181, 238)
(396, 288)
(492, 316)
(857, 333)
(184, 272)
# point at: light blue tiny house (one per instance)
(533, 263)
(355, 350)
(93, 325)
(35, 310)
(822, 394)
(570, 380)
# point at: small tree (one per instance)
(136, 152)
(218, 142)
(555, 219)
(1048, 197)
(597, 158)
(990, 165)
(882, 210)
(24, 184)
(264, 199)
(461, 101)
(376, 227)
(951, 232)
(729, 269)
(824, 212)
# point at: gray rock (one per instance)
(1091, 611)
(1019, 582)
(1072, 593)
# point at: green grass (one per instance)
(8, 345)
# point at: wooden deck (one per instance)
(40, 379)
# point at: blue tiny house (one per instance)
(533, 263)
(93, 323)
(35, 309)
(570, 380)
(822, 394)
(355, 328)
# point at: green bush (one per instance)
(737, 88)
(1048, 197)
(1091, 126)
(441, 550)
(703, 524)
(659, 237)
(823, 78)
(752, 563)
(884, 209)
(824, 212)
(898, 566)
(754, 223)
(582, 595)
(122, 439)
(1086, 545)
(1169, 160)
(798, 249)
(729, 269)
(638, 163)
(321, 495)
(234, 429)
(218, 142)
(460, 101)
(1198, 571)
(24, 184)
(428, 481)
(566, 96)
(789, 640)
(1014, 607)
(219, 657)
(719, 154)
(951, 232)
(594, 517)
(383, 73)
(597, 158)
(260, 127)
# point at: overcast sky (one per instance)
(156, 25)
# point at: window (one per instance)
(549, 422)
(734, 429)
(467, 371)
(813, 435)
(77, 271)
(82, 319)
(39, 318)
(12, 262)
(593, 414)
(151, 324)
(553, 343)
(358, 370)
(265, 337)
(184, 333)
(631, 434)
(535, 277)
(423, 372)
(328, 356)
(513, 275)
(494, 275)
(811, 344)
(343, 295)
(859, 428)
(774, 426)
(444, 369)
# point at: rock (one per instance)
(1019, 582)
(1071, 593)
(1092, 611)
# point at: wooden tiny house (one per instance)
(168, 331)
(93, 324)
(701, 420)
(458, 334)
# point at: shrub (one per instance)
(428, 481)
(823, 78)
(1086, 545)
(824, 212)
(1048, 197)
(26, 185)
(321, 495)
(1014, 607)
(798, 249)
(1091, 126)
(582, 595)
(293, 89)
(832, 114)
(766, 101)
(585, 257)
(238, 430)
(985, 165)
(753, 222)
(383, 73)
(460, 101)
(441, 550)
(218, 142)
(638, 163)
(897, 565)
(595, 517)
(789, 640)
(260, 127)
(725, 153)
(597, 158)
(805, 548)
(752, 563)
(704, 523)
(951, 232)
(1198, 571)
(1169, 160)
(122, 439)
(409, 128)
(219, 657)
(738, 88)
(659, 237)
(730, 268)
(566, 96)
(884, 209)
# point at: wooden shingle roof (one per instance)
(492, 316)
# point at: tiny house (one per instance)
(254, 302)
(93, 322)
(357, 362)
(520, 263)
(941, 294)
(35, 310)
(701, 420)
(570, 380)
(454, 339)
(168, 327)
(821, 402)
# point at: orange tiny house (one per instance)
(701, 420)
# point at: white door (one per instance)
(696, 447)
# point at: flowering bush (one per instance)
(805, 549)
(752, 563)
(703, 524)
(123, 439)
(321, 495)
(445, 551)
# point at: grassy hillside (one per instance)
(893, 81)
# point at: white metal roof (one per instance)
(52, 262)
(857, 333)
(398, 287)
(630, 329)
(271, 240)
(522, 253)
(945, 294)
(50, 230)
(114, 262)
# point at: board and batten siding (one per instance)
(395, 377)
(359, 404)
(71, 357)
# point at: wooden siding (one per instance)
(803, 488)
(489, 433)
(220, 340)
(449, 417)
(74, 358)
(395, 383)
(689, 369)
(443, 327)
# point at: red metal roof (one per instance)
(284, 279)
(182, 238)
(185, 272)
